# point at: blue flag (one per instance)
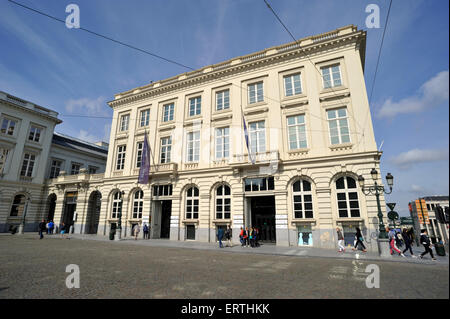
(144, 170)
(250, 155)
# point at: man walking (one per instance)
(42, 229)
(220, 236)
(425, 241)
(145, 229)
(407, 240)
(340, 240)
(228, 236)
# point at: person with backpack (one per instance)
(252, 237)
(42, 229)
(228, 236)
(51, 225)
(359, 240)
(146, 231)
(340, 240)
(425, 241)
(407, 240)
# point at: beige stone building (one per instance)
(310, 135)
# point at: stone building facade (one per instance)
(305, 109)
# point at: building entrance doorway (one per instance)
(161, 219)
(262, 212)
(70, 208)
(166, 212)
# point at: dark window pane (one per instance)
(219, 190)
(297, 206)
(308, 206)
(227, 215)
(227, 190)
(271, 185)
(340, 183)
(195, 215)
(297, 199)
(308, 198)
(342, 204)
(296, 186)
(353, 195)
(309, 214)
(306, 186)
(195, 191)
(298, 214)
(354, 204)
(189, 192)
(343, 213)
(351, 182)
(341, 196)
(355, 212)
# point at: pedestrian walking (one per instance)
(359, 240)
(47, 228)
(393, 242)
(425, 241)
(241, 236)
(136, 230)
(256, 237)
(220, 236)
(42, 229)
(228, 236)
(146, 231)
(340, 240)
(407, 240)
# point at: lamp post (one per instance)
(22, 224)
(119, 215)
(377, 190)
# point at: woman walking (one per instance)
(340, 240)
(407, 240)
(359, 240)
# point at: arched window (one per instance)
(302, 197)
(347, 197)
(116, 204)
(223, 202)
(18, 205)
(192, 200)
(138, 204)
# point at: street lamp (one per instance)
(377, 190)
(119, 215)
(22, 224)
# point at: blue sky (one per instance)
(74, 73)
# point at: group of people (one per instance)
(249, 236)
(50, 227)
(397, 239)
(137, 229)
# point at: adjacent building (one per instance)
(275, 140)
(30, 154)
(423, 211)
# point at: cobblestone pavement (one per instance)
(33, 268)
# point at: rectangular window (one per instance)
(195, 106)
(193, 146)
(296, 132)
(166, 148)
(331, 76)
(93, 170)
(35, 134)
(124, 121)
(75, 168)
(257, 137)
(223, 100)
(139, 148)
(120, 164)
(222, 142)
(55, 168)
(145, 117)
(292, 85)
(255, 93)
(259, 184)
(168, 110)
(162, 190)
(3, 156)
(28, 164)
(338, 125)
(8, 127)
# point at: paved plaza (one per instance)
(33, 268)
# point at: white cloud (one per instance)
(86, 106)
(407, 159)
(431, 93)
(85, 136)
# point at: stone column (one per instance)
(238, 201)
(281, 218)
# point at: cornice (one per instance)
(225, 69)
